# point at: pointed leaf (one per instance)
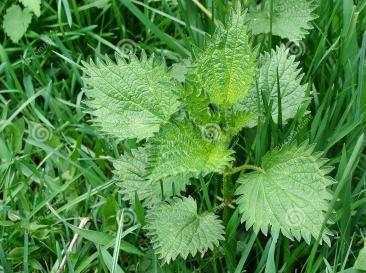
(361, 260)
(16, 22)
(182, 149)
(226, 67)
(132, 172)
(291, 19)
(290, 193)
(130, 99)
(277, 64)
(225, 123)
(33, 5)
(177, 229)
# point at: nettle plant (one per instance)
(17, 19)
(185, 133)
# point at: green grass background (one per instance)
(55, 167)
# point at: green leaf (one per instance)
(225, 68)
(33, 5)
(183, 149)
(289, 195)
(177, 229)
(197, 105)
(361, 260)
(104, 239)
(180, 70)
(108, 260)
(132, 172)
(277, 69)
(100, 4)
(130, 99)
(16, 22)
(291, 19)
(226, 122)
(236, 120)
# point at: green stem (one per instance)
(205, 193)
(243, 168)
(270, 23)
(228, 186)
(227, 193)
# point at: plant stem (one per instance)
(227, 192)
(228, 186)
(243, 168)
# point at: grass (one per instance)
(56, 185)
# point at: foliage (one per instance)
(289, 193)
(226, 66)
(16, 22)
(33, 5)
(271, 197)
(177, 229)
(183, 149)
(132, 173)
(192, 114)
(130, 99)
(361, 260)
(279, 74)
(290, 19)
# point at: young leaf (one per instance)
(361, 260)
(182, 149)
(197, 105)
(278, 70)
(291, 19)
(131, 170)
(130, 99)
(177, 229)
(290, 193)
(16, 22)
(226, 67)
(236, 120)
(227, 121)
(33, 5)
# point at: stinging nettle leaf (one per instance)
(291, 19)
(278, 69)
(227, 122)
(289, 195)
(16, 22)
(182, 149)
(226, 66)
(130, 99)
(197, 105)
(177, 229)
(33, 5)
(131, 170)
